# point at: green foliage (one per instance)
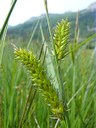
(29, 102)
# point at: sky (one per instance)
(25, 9)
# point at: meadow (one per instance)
(50, 84)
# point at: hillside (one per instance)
(87, 18)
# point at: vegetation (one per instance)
(47, 84)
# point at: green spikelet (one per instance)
(61, 38)
(40, 80)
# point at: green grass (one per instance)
(23, 106)
(15, 84)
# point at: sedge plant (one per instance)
(26, 95)
(53, 97)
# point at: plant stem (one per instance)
(7, 19)
(25, 112)
(58, 72)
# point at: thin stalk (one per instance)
(34, 30)
(53, 46)
(7, 19)
(5, 101)
(2, 44)
(95, 110)
(44, 55)
(36, 122)
(57, 122)
(73, 102)
(22, 121)
(57, 64)
(74, 73)
(41, 50)
(12, 94)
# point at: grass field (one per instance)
(66, 99)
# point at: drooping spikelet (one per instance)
(40, 80)
(61, 38)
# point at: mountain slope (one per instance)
(87, 19)
(92, 6)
